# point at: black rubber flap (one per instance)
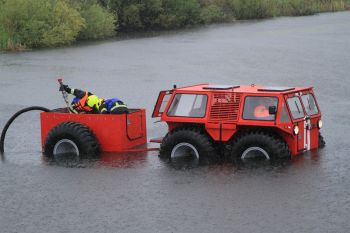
(220, 87)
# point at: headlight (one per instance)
(296, 130)
(320, 124)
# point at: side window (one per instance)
(257, 108)
(295, 107)
(164, 103)
(188, 105)
(309, 104)
(284, 115)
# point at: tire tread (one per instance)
(271, 143)
(192, 135)
(80, 134)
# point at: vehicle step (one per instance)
(156, 140)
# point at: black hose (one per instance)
(9, 122)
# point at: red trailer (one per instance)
(89, 134)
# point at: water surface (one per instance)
(140, 193)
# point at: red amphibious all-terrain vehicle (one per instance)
(204, 120)
(276, 122)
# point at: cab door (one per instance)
(300, 120)
(162, 101)
(311, 120)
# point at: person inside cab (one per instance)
(261, 111)
(86, 102)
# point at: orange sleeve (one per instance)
(261, 111)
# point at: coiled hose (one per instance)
(9, 122)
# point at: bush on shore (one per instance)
(99, 23)
(65, 25)
(298, 7)
(213, 11)
(140, 15)
(23, 22)
(254, 9)
(48, 23)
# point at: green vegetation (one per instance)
(99, 23)
(64, 26)
(48, 23)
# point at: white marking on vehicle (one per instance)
(305, 145)
(308, 134)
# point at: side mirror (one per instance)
(272, 110)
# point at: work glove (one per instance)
(65, 88)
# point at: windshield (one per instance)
(309, 104)
(188, 105)
(295, 107)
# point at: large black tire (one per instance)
(190, 138)
(265, 143)
(321, 141)
(77, 135)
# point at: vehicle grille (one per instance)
(225, 107)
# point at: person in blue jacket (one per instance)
(86, 102)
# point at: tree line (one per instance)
(49, 23)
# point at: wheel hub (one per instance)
(183, 149)
(65, 146)
(254, 151)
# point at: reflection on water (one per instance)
(147, 160)
(116, 160)
(257, 162)
(122, 160)
(182, 162)
(64, 159)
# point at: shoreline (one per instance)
(123, 36)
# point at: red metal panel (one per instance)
(314, 131)
(221, 132)
(136, 131)
(134, 126)
(115, 133)
(224, 107)
(301, 136)
(291, 141)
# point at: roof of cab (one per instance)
(242, 89)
